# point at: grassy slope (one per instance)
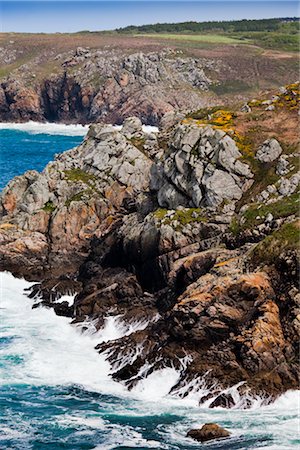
(212, 38)
(276, 34)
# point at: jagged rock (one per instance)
(131, 127)
(208, 432)
(221, 186)
(78, 191)
(206, 305)
(246, 108)
(188, 175)
(269, 151)
(289, 185)
(282, 166)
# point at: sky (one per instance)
(69, 16)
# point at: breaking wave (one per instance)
(58, 128)
(55, 388)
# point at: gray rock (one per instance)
(269, 151)
(131, 127)
(193, 168)
(220, 186)
(246, 108)
(282, 166)
(289, 185)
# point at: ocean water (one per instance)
(56, 391)
(32, 146)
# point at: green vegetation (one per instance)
(182, 216)
(79, 196)
(232, 26)
(230, 87)
(282, 240)
(49, 207)
(280, 34)
(256, 213)
(79, 175)
(212, 38)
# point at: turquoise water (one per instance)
(56, 391)
(27, 148)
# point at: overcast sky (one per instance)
(70, 15)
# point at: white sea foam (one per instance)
(46, 128)
(59, 128)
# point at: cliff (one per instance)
(191, 232)
(91, 77)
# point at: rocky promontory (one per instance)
(92, 77)
(191, 232)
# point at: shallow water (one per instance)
(56, 391)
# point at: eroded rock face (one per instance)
(91, 223)
(202, 168)
(75, 197)
(92, 85)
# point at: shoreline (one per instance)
(140, 225)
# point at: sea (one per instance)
(56, 391)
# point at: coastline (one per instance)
(45, 340)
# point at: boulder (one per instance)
(202, 168)
(269, 151)
(131, 127)
(208, 432)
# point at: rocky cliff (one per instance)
(191, 232)
(85, 78)
(105, 85)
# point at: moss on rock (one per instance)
(282, 240)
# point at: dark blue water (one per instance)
(56, 392)
(21, 151)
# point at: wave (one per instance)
(41, 349)
(46, 128)
(59, 128)
(44, 340)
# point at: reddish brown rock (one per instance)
(208, 432)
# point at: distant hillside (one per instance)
(287, 23)
(277, 34)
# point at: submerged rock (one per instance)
(208, 432)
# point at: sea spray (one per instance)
(56, 389)
(59, 128)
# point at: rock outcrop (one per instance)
(208, 432)
(172, 232)
(202, 168)
(89, 86)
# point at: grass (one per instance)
(230, 87)
(282, 240)
(182, 216)
(211, 38)
(79, 175)
(257, 213)
(49, 207)
(79, 196)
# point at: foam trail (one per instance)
(53, 352)
(41, 349)
(59, 128)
